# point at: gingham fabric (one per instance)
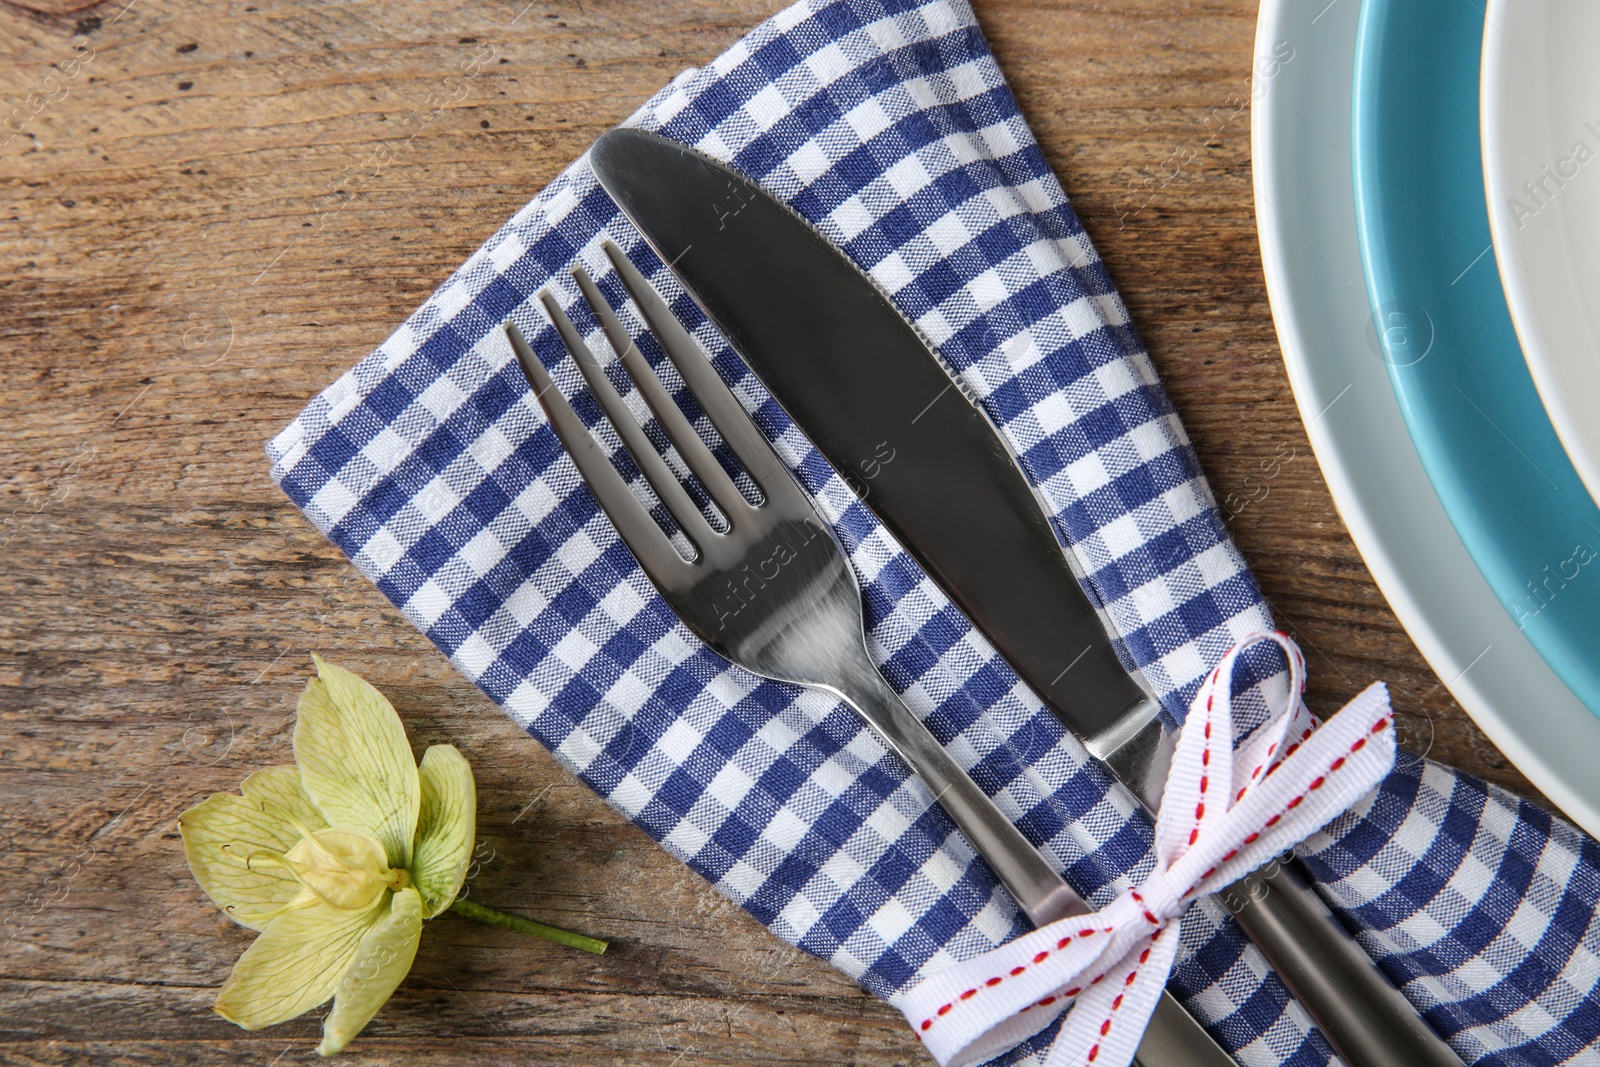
(889, 125)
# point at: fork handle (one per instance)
(1174, 1037)
(1038, 888)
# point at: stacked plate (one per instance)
(1432, 291)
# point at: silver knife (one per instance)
(879, 402)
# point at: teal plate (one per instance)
(1440, 319)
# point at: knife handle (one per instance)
(1368, 1021)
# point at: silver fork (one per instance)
(773, 593)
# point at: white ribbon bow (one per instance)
(1224, 813)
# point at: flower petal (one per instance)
(279, 790)
(221, 832)
(294, 965)
(383, 959)
(446, 827)
(355, 762)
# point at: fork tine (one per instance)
(689, 445)
(639, 531)
(656, 471)
(714, 396)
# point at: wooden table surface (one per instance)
(197, 239)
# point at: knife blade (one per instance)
(898, 423)
(881, 404)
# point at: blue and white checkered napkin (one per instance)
(888, 124)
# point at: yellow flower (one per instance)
(337, 860)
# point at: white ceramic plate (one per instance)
(1540, 110)
(1300, 139)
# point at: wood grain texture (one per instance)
(199, 236)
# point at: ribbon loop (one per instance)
(1224, 812)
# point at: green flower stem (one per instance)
(482, 914)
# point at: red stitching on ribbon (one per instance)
(1205, 759)
(1105, 1027)
(1205, 778)
(944, 1009)
(1149, 916)
(1316, 783)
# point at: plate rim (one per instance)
(1491, 514)
(1479, 655)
